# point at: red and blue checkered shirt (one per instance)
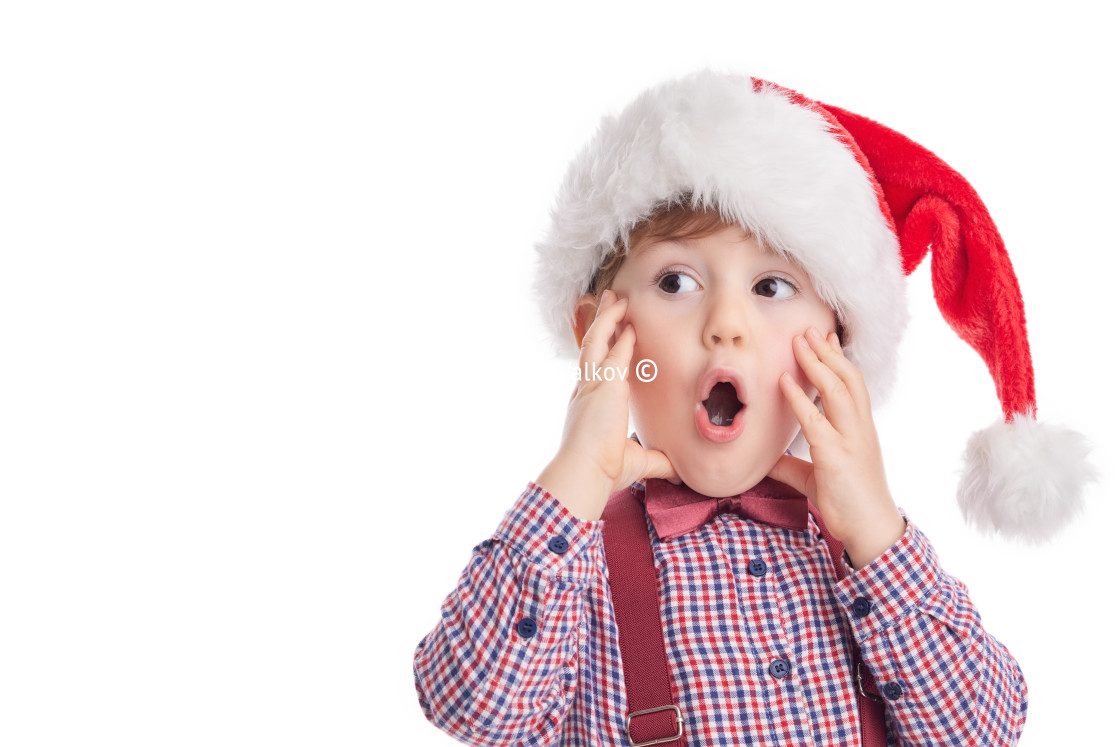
(526, 650)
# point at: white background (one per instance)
(270, 366)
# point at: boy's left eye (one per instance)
(774, 288)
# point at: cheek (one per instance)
(657, 340)
(652, 335)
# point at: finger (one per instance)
(673, 477)
(814, 425)
(793, 472)
(850, 373)
(623, 350)
(658, 465)
(838, 403)
(607, 317)
(609, 298)
(830, 353)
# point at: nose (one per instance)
(728, 320)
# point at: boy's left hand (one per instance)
(846, 480)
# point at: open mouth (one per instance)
(722, 404)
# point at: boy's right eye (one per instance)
(676, 282)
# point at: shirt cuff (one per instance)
(892, 586)
(541, 530)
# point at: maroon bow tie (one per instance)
(678, 509)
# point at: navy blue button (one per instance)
(756, 568)
(527, 628)
(779, 667)
(892, 690)
(861, 606)
(558, 545)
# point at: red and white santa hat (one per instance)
(859, 206)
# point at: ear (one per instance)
(583, 316)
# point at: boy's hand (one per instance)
(846, 479)
(596, 458)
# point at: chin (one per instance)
(712, 481)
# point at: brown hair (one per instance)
(670, 220)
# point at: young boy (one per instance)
(752, 245)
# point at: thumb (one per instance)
(658, 465)
(793, 472)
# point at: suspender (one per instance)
(872, 722)
(654, 716)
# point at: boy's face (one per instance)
(713, 309)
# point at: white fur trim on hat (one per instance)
(773, 166)
(1024, 478)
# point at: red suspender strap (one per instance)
(872, 722)
(653, 716)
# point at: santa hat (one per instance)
(858, 206)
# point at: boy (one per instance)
(743, 239)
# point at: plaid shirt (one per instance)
(526, 651)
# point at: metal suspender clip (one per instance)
(859, 683)
(680, 726)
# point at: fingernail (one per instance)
(800, 340)
(608, 296)
(814, 333)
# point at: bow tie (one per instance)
(678, 509)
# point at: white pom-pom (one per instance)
(1024, 478)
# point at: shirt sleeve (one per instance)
(502, 666)
(943, 678)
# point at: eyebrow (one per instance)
(661, 245)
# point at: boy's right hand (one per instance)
(596, 458)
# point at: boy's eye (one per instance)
(676, 282)
(774, 288)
